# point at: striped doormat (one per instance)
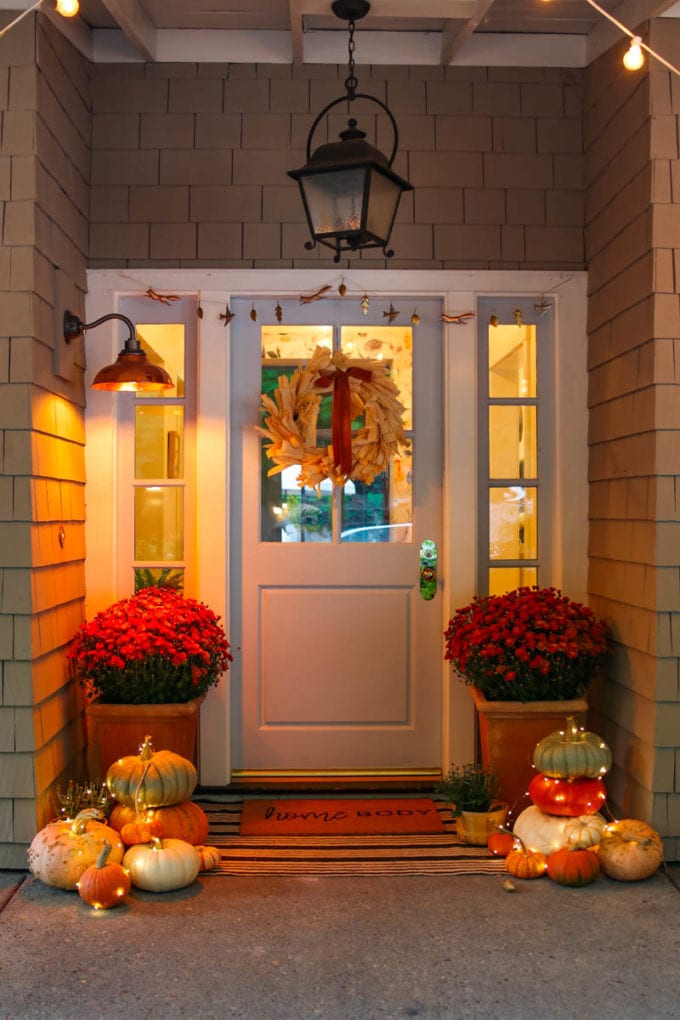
(341, 855)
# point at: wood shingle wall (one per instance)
(44, 171)
(633, 244)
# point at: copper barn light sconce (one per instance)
(349, 190)
(132, 370)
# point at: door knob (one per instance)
(428, 569)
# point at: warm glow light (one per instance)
(634, 58)
(68, 8)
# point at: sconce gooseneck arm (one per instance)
(74, 327)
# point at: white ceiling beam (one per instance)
(132, 19)
(456, 34)
(296, 31)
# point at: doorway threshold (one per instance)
(332, 779)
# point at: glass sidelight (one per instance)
(380, 512)
(163, 460)
(514, 369)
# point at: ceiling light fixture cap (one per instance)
(350, 10)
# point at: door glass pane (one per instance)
(503, 579)
(293, 514)
(289, 513)
(158, 523)
(512, 361)
(392, 345)
(512, 523)
(159, 577)
(383, 511)
(163, 344)
(512, 441)
(159, 441)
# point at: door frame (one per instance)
(459, 291)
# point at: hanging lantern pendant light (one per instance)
(349, 191)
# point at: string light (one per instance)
(67, 8)
(633, 58)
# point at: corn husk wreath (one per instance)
(290, 423)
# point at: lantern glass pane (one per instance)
(383, 200)
(335, 200)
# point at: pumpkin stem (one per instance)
(140, 784)
(571, 731)
(156, 843)
(83, 817)
(146, 750)
(103, 854)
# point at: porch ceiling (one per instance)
(433, 31)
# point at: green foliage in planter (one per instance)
(82, 796)
(469, 787)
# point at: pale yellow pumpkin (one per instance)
(62, 851)
(584, 831)
(630, 850)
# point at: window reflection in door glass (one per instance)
(380, 512)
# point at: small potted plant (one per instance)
(528, 657)
(146, 663)
(472, 792)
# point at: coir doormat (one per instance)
(340, 856)
(338, 817)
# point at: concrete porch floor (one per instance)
(344, 949)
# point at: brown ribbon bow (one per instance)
(341, 421)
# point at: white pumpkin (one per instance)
(545, 833)
(584, 831)
(162, 865)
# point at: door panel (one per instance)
(340, 659)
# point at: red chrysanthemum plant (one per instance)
(531, 644)
(156, 647)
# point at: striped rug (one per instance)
(341, 855)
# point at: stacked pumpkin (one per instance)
(564, 825)
(162, 828)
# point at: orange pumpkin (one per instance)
(104, 884)
(573, 866)
(500, 843)
(185, 821)
(523, 863)
(572, 797)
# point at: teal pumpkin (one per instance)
(572, 754)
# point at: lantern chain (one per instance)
(351, 81)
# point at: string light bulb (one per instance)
(68, 8)
(634, 58)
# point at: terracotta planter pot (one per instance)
(509, 732)
(475, 827)
(117, 730)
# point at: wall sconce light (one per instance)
(348, 188)
(132, 370)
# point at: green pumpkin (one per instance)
(572, 754)
(151, 779)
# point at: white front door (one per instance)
(339, 657)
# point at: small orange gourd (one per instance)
(141, 830)
(523, 863)
(104, 884)
(210, 857)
